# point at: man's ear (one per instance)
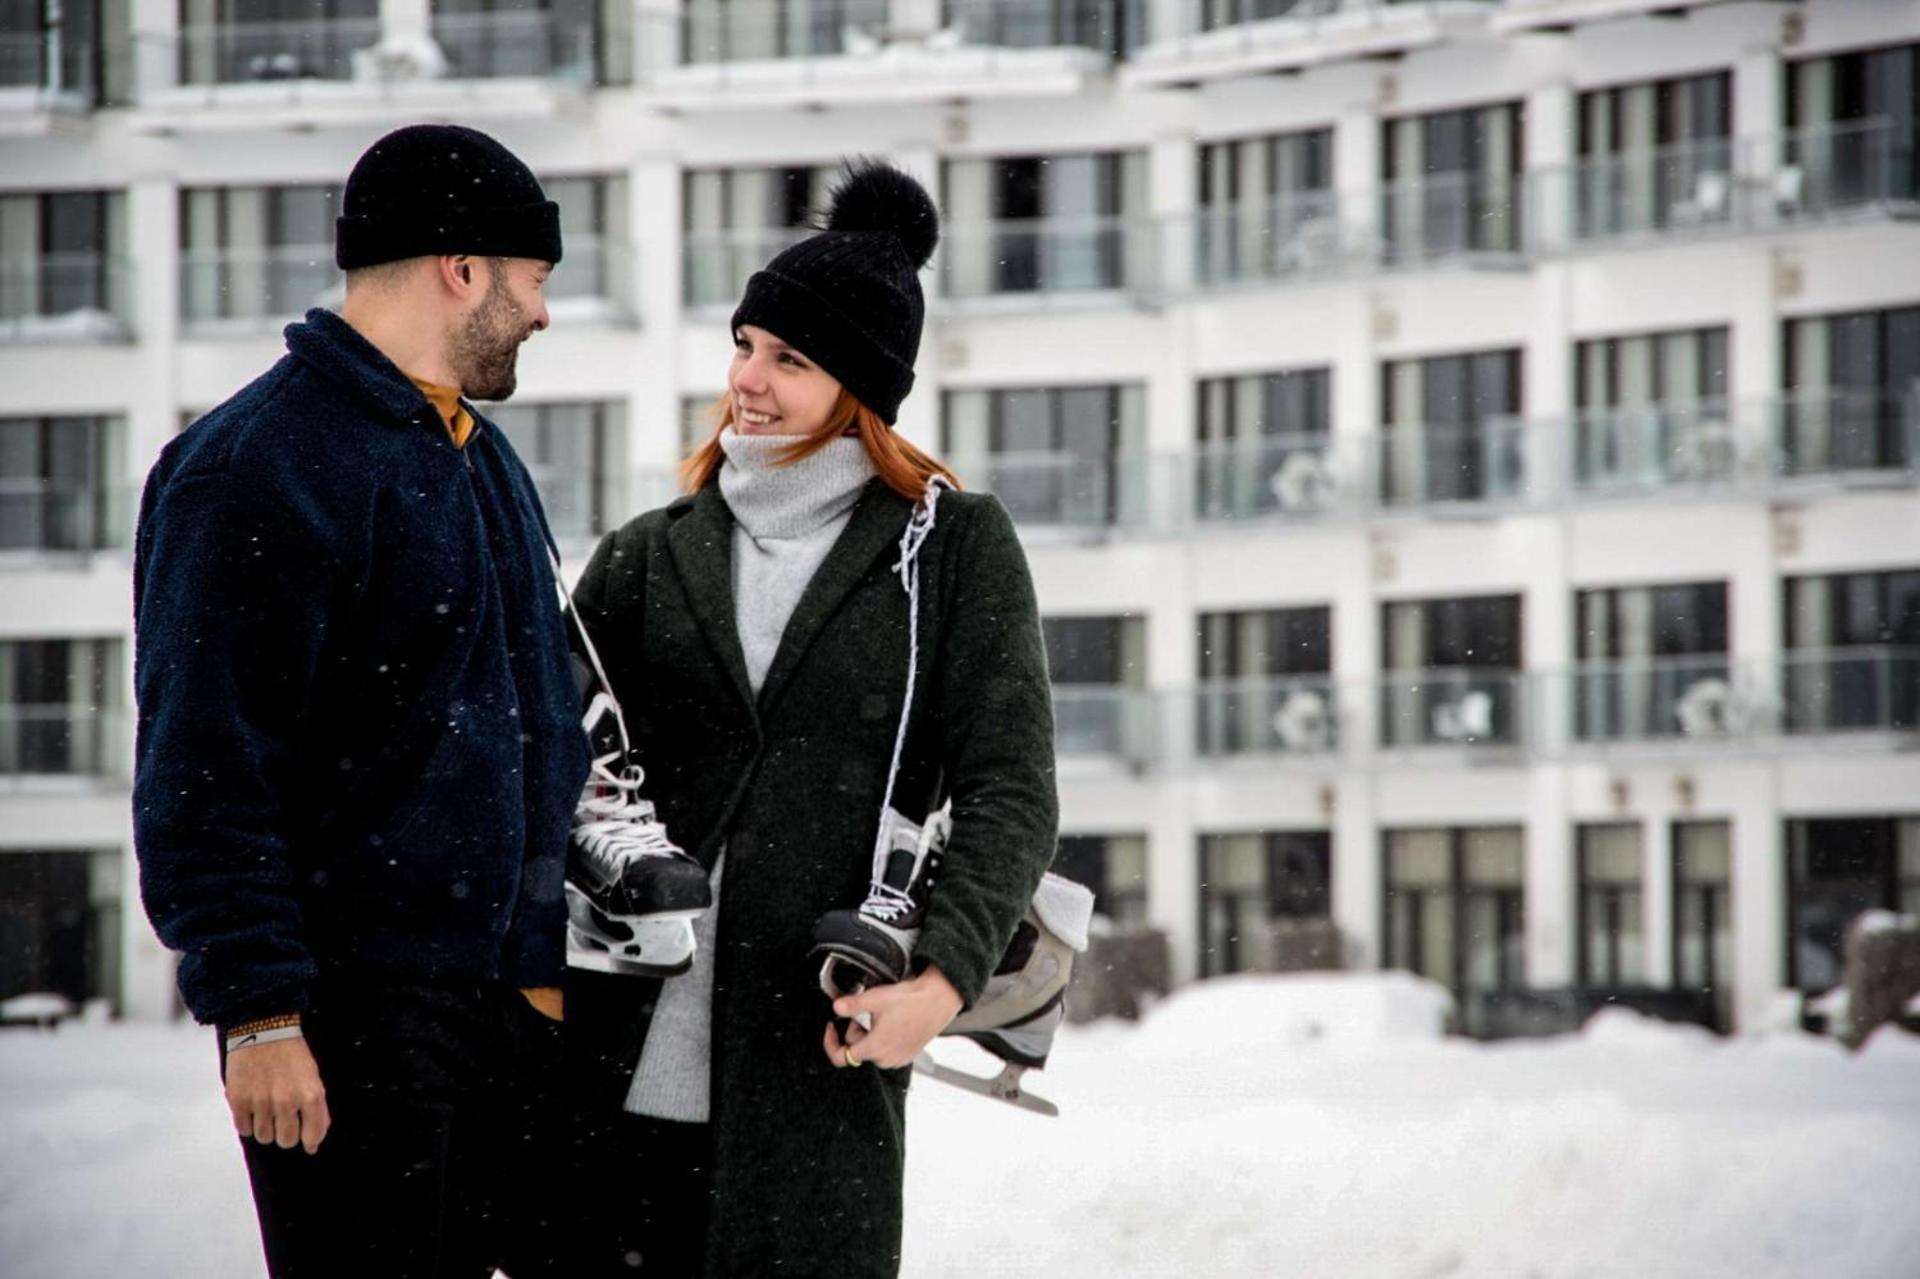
(460, 275)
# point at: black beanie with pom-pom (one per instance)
(849, 298)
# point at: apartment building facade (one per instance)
(1466, 448)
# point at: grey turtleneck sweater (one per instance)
(785, 520)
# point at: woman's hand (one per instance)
(905, 1017)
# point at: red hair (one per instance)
(905, 469)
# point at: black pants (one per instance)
(644, 1194)
(446, 1155)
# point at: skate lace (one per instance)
(884, 901)
(616, 827)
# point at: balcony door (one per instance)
(1447, 430)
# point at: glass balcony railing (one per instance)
(1453, 216)
(1871, 688)
(1067, 491)
(80, 297)
(46, 69)
(1290, 716)
(595, 275)
(1847, 168)
(717, 265)
(1104, 26)
(1447, 466)
(1049, 256)
(1301, 475)
(1840, 431)
(1696, 696)
(1452, 707)
(1212, 28)
(1300, 236)
(39, 516)
(535, 45)
(1616, 452)
(256, 52)
(1685, 188)
(61, 741)
(727, 31)
(1098, 721)
(264, 287)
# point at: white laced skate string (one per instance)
(884, 901)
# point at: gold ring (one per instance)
(847, 1055)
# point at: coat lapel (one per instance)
(877, 523)
(701, 542)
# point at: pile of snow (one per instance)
(1315, 1126)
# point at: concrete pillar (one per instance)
(653, 219)
(1173, 879)
(1356, 171)
(1656, 896)
(1549, 885)
(1547, 216)
(920, 413)
(1759, 900)
(1357, 904)
(1759, 118)
(1173, 193)
(156, 31)
(406, 21)
(153, 238)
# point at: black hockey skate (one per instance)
(872, 945)
(632, 894)
(1024, 1002)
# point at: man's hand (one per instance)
(905, 1017)
(275, 1095)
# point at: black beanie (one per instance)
(430, 189)
(849, 298)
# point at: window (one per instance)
(1265, 902)
(1452, 671)
(58, 700)
(1448, 429)
(568, 450)
(1853, 652)
(1452, 183)
(56, 45)
(1114, 867)
(745, 30)
(1652, 662)
(1851, 123)
(1455, 906)
(1058, 456)
(1849, 378)
(733, 221)
(1098, 668)
(1113, 29)
(593, 229)
(58, 490)
(1612, 951)
(493, 39)
(1264, 681)
(1651, 410)
(1837, 868)
(1656, 155)
(1263, 444)
(1052, 223)
(1703, 910)
(257, 253)
(60, 259)
(59, 923)
(1215, 14)
(231, 41)
(1267, 206)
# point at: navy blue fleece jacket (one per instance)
(358, 748)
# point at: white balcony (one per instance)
(1051, 262)
(1561, 15)
(42, 79)
(1191, 41)
(350, 70)
(753, 54)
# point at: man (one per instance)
(359, 749)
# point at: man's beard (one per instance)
(486, 346)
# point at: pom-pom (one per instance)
(875, 196)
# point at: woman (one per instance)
(756, 632)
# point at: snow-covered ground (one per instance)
(1312, 1126)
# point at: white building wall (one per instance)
(1350, 324)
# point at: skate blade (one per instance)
(599, 961)
(1004, 1086)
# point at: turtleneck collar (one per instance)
(773, 501)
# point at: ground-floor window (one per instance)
(1266, 898)
(59, 923)
(1703, 911)
(1837, 868)
(1115, 868)
(1611, 906)
(1454, 905)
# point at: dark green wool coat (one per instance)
(809, 1159)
